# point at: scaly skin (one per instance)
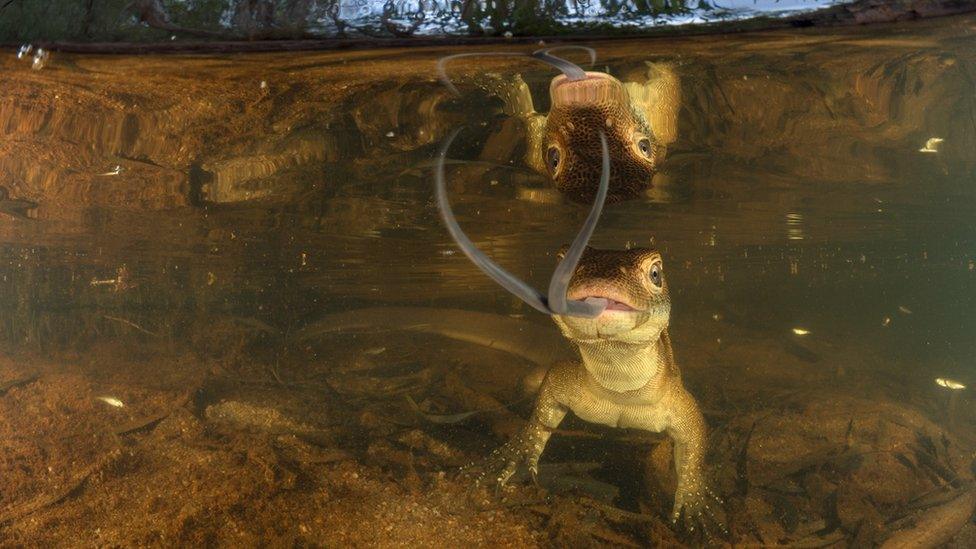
(638, 117)
(627, 378)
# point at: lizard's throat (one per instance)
(620, 366)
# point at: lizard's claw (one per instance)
(503, 463)
(698, 511)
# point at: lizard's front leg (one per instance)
(694, 501)
(528, 444)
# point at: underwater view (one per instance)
(703, 290)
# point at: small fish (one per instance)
(932, 145)
(441, 419)
(904, 310)
(111, 401)
(801, 331)
(40, 59)
(949, 383)
(24, 51)
(801, 352)
(115, 171)
(375, 351)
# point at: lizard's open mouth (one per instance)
(612, 304)
(596, 88)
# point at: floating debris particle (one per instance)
(540, 196)
(932, 145)
(904, 310)
(801, 331)
(24, 51)
(390, 134)
(119, 283)
(716, 317)
(886, 321)
(111, 401)
(447, 252)
(115, 171)
(211, 278)
(795, 226)
(41, 57)
(508, 34)
(264, 84)
(304, 259)
(949, 383)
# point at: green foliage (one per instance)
(119, 20)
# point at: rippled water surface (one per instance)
(188, 236)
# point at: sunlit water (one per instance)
(191, 214)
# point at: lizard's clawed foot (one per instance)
(503, 463)
(699, 513)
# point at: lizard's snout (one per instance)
(596, 88)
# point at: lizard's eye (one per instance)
(552, 159)
(644, 146)
(657, 274)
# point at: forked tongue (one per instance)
(556, 303)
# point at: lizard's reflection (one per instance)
(637, 115)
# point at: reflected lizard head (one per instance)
(571, 151)
(637, 116)
(632, 283)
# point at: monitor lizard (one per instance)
(615, 307)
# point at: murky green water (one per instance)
(194, 214)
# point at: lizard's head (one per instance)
(632, 282)
(571, 149)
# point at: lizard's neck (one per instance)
(619, 366)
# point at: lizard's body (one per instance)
(627, 376)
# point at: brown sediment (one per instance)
(242, 462)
